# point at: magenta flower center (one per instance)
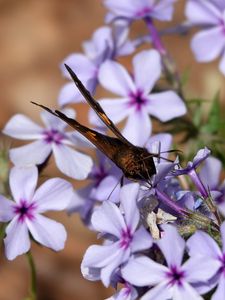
(98, 174)
(175, 276)
(222, 268)
(24, 210)
(53, 136)
(143, 12)
(137, 99)
(126, 238)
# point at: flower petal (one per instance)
(202, 244)
(69, 94)
(116, 110)
(219, 293)
(23, 182)
(173, 253)
(108, 219)
(166, 106)
(54, 194)
(6, 210)
(147, 69)
(31, 154)
(138, 128)
(222, 230)
(47, 232)
(108, 189)
(115, 78)
(23, 128)
(141, 240)
(202, 12)
(128, 199)
(72, 163)
(142, 271)
(17, 239)
(159, 292)
(210, 172)
(159, 143)
(208, 44)
(53, 122)
(185, 292)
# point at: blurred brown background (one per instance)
(35, 36)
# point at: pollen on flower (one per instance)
(126, 238)
(175, 276)
(137, 99)
(53, 136)
(24, 210)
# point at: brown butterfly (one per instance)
(135, 162)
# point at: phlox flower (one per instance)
(124, 236)
(134, 101)
(106, 43)
(209, 43)
(51, 139)
(104, 185)
(127, 292)
(202, 246)
(174, 281)
(139, 9)
(24, 214)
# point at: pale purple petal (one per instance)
(147, 69)
(47, 232)
(220, 291)
(108, 189)
(210, 172)
(99, 256)
(23, 182)
(202, 244)
(143, 271)
(72, 163)
(17, 239)
(115, 78)
(208, 44)
(128, 200)
(163, 10)
(126, 293)
(222, 64)
(116, 110)
(31, 154)
(174, 252)
(185, 292)
(69, 94)
(166, 106)
(159, 143)
(23, 128)
(222, 230)
(124, 7)
(54, 194)
(81, 65)
(6, 210)
(159, 292)
(202, 12)
(141, 240)
(108, 219)
(138, 128)
(219, 3)
(53, 122)
(201, 155)
(200, 268)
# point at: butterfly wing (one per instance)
(96, 106)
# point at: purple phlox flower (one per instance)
(52, 138)
(127, 292)
(127, 237)
(159, 144)
(174, 281)
(210, 177)
(104, 186)
(139, 9)
(202, 246)
(106, 43)
(134, 101)
(191, 167)
(209, 43)
(25, 214)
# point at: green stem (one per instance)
(33, 284)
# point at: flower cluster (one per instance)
(163, 236)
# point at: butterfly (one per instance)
(135, 162)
